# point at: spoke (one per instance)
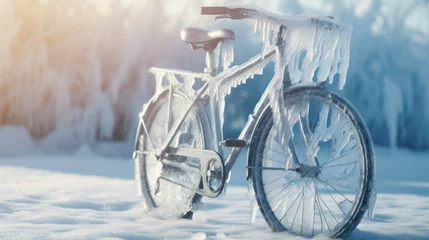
(302, 191)
(279, 153)
(320, 211)
(324, 182)
(274, 160)
(323, 214)
(297, 209)
(314, 209)
(302, 212)
(147, 133)
(278, 205)
(335, 200)
(276, 179)
(320, 197)
(284, 188)
(319, 206)
(337, 158)
(285, 185)
(341, 164)
(338, 186)
(268, 168)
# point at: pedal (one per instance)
(234, 143)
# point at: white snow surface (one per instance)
(90, 197)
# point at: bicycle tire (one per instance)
(261, 133)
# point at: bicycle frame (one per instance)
(259, 61)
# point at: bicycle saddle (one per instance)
(201, 36)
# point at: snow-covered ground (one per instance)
(89, 197)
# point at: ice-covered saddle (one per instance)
(197, 36)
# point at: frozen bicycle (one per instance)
(310, 156)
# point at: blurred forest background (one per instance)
(74, 73)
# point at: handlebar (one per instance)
(224, 12)
(214, 10)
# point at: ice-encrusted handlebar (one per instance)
(225, 12)
(253, 12)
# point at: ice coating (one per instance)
(339, 166)
(313, 44)
(224, 51)
(267, 30)
(166, 78)
(222, 85)
(316, 49)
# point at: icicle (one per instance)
(158, 81)
(189, 82)
(172, 79)
(227, 53)
(217, 54)
(253, 210)
(253, 203)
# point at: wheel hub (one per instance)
(306, 171)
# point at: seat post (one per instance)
(211, 62)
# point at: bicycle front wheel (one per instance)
(314, 173)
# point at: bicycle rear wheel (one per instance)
(327, 188)
(165, 198)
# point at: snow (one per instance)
(69, 197)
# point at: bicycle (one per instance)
(310, 155)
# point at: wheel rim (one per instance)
(169, 199)
(321, 190)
